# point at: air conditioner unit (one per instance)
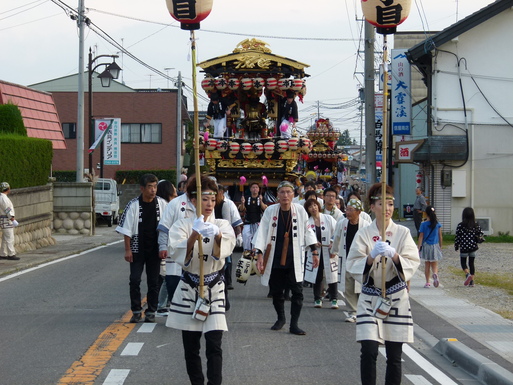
(486, 225)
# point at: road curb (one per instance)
(474, 363)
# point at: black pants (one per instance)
(463, 261)
(368, 357)
(282, 279)
(417, 219)
(214, 353)
(317, 287)
(152, 263)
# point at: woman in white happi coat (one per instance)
(345, 232)
(218, 241)
(364, 263)
(323, 225)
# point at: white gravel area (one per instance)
(491, 258)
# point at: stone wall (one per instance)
(73, 208)
(33, 207)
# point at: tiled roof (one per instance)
(38, 111)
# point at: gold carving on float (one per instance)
(251, 61)
(252, 45)
(246, 163)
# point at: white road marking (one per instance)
(17, 274)
(132, 349)
(146, 327)
(417, 380)
(427, 366)
(116, 377)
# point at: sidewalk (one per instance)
(482, 325)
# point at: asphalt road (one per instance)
(52, 317)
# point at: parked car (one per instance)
(106, 200)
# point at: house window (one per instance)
(141, 133)
(69, 130)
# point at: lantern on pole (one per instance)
(189, 12)
(385, 15)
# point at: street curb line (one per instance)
(474, 363)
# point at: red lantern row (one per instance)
(323, 134)
(258, 148)
(258, 83)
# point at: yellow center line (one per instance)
(90, 365)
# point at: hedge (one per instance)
(25, 162)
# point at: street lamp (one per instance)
(111, 72)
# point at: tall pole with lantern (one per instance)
(190, 13)
(385, 15)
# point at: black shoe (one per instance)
(149, 318)
(136, 317)
(278, 324)
(297, 331)
(229, 287)
(13, 258)
(2, 257)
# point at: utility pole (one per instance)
(80, 102)
(370, 132)
(179, 129)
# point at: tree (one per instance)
(345, 139)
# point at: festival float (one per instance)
(321, 161)
(254, 83)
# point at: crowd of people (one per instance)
(311, 235)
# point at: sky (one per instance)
(40, 42)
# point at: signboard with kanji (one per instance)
(404, 150)
(400, 93)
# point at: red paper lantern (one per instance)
(271, 83)
(296, 84)
(208, 84)
(245, 148)
(211, 144)
(222, 145)
(221, 83)
(283, 84)
(189, 12)
(233, 84)
(247, 83)
(293, 142)
(234, 148)
(386, 16)
(282, 145)
(269, 147)
(258, 148)
(258, 83)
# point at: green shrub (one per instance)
(65, 176)
(11, 121)
(26, 162)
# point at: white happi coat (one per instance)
(179, 208)
(398, 325)
(330, 264)
(339, 248)
(302, 236)
(185, 297)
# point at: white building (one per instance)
(467, 158)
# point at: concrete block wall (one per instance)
(73, 208)
(33, 207)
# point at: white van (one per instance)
(106, 200)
